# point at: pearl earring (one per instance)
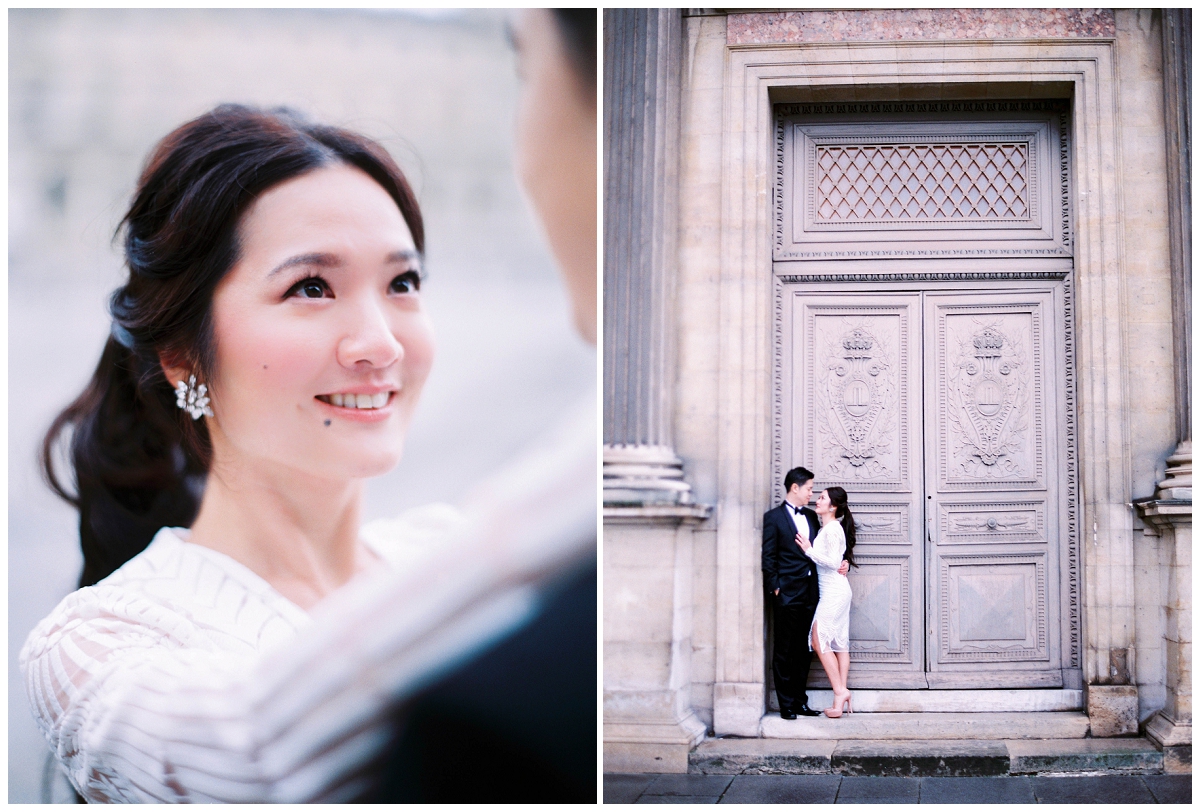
(192, 399)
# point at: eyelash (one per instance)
(411, 278)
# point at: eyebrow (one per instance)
(324, 260)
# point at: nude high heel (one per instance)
(840, 701)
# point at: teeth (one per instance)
(349, 401)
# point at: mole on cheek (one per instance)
(327, 422)
(264, 366)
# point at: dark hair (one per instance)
(578, 29)
(837, 498)
(796, 476)
(140, 461)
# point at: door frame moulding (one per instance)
(758, 76)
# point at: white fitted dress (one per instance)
(185, 677)
(832, 617)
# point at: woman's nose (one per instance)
(369, 340)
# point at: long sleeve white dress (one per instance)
(185, 677)
(832, 617)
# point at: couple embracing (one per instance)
(805, 557)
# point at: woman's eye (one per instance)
(409, 282)
(311, 288)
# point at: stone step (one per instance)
(943, 757)
(929, 726)
(867, 700)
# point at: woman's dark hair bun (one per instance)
(139, 461)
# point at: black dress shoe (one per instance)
(805, 710)
(786, 714)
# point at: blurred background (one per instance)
(91, 92)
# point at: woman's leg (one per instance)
(828, 662)
(843, 661)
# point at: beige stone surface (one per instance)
(1123, 333)
(1112, 710)
(635, 757)
(1147, 264)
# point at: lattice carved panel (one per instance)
(993, 608)
(990, 397)
(987, 179)
(921, 183)
(881, 609)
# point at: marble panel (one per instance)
(874, 25)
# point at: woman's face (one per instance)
(823, 504)
(321, 310)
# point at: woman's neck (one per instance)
(299, 533)
(825, 518)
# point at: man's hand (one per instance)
(776, 591)
(844, 568)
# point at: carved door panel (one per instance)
(854, 418)
(992, 403)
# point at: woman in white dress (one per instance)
(831, 624)
(266, 355)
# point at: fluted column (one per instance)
(1177, 92)
(1169, 512)
(642, 58)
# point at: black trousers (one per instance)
(792, 657)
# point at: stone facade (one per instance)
(684, 615)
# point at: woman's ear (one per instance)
(174, 368)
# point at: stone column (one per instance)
(642, 74)
(649, 724)
(1169, 512)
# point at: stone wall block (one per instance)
(1112, 710)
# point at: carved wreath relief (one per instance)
(856, 402)
(987, 404)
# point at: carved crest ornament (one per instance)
(987, 405)
(856, 407)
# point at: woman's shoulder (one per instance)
(414, 533)
(172, 592)
(833, 529)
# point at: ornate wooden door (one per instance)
(939, 411)
(856, 421)
(992, 409)
(922, 257)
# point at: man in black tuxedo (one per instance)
(791, 581)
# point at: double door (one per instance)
(941, 412)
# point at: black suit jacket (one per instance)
(785, 566)
(514, 724)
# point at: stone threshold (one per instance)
(1023, 700)
(912, 758)
(929, 726)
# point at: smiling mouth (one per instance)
(352, 401)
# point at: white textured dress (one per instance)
(832, 617)
(185, 677)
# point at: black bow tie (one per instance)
(793, 507)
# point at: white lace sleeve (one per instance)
(124, 695)
(829, 545)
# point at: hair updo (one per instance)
(837, 499)
(139, 460)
